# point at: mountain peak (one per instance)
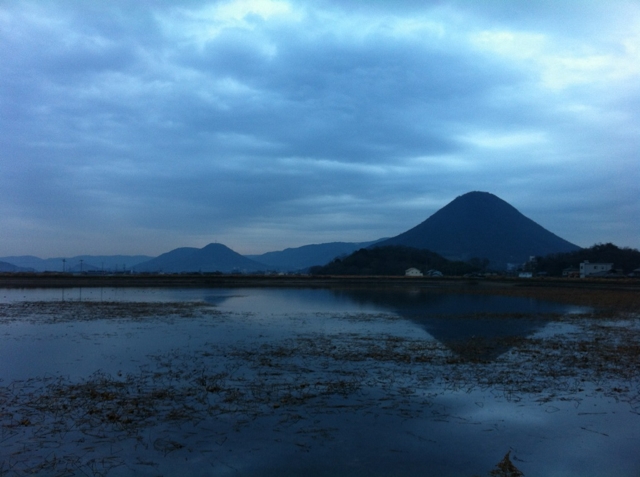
(480, 224)
(215, 246)
(476, 194)
(479, 198)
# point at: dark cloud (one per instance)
(268, 124)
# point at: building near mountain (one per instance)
(588, 269)
(625, 260)
(412, 272)
(571, 272)
(481, 225)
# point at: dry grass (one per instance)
(505, 468)
(52, 312)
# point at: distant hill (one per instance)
(215, 257)
(89, 262)
(11, 268)
(300, 258)
(481, 225)
(392, 260)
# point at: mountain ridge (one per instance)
(300, 258)
(214, 257)
(89, 262)
(473, 225)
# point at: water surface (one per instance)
(311, 381)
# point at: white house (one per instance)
(593, 269)
(412, 272)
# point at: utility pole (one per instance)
(81, 265)
(64, 260)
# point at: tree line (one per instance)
(395, 260)
(625, 259)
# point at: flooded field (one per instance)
(349, 382)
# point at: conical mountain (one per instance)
(479, 224)
(215, 257)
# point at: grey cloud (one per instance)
(318, 98)
(113, 117)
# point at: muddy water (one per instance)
(313, 382)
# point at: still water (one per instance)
(253, 382)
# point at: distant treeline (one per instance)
(625, 259)
(395, 260)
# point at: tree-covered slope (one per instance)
(392, 260)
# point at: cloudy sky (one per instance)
(138, 127)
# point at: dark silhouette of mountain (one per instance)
(300, 258)
(215, 257)
(89, 262)
(481, 225)
(392, 260)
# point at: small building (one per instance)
(412, 272)
(434, 273)
(525, 275)
(588, 269)
(571, 272)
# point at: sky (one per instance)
(139, 127)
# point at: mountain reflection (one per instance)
(475, 327)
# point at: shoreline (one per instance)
(59, 280)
